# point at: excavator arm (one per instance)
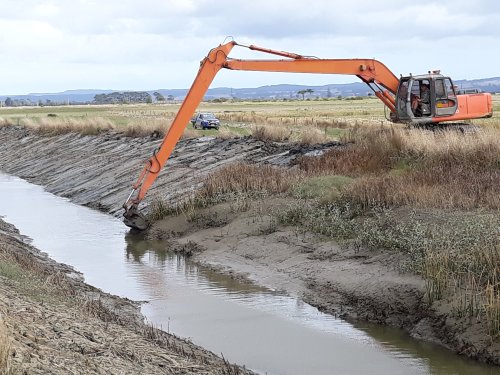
(380, 79)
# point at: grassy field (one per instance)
(283, 120)
(329, 119)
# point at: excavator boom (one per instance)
(210, 65)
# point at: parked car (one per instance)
(205, 120)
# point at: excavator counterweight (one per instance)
(427, 99)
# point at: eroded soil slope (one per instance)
(98, 171)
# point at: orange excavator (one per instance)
(428, 99)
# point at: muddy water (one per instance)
(266, 331)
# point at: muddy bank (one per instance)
(98, 171)
(52, 322)
(356, 284)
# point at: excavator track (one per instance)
(460, 127)
(464, 128)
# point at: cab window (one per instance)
(440, 89)
(450, 90)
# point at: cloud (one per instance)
(135, 44)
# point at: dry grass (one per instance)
(4, 122)
(141, 127)
(470, 279)
(291, 118)
(306, 135)
(271, 133)
(94, 307)
(146, 128)
(295, 119)
(242, 178)
(4, 348)
(492, 309)
(313, 136)
(56, 125)
(371, 151)
(225, 133)
(456, 253)
(430, 170)
(419, 168)
(190, 133)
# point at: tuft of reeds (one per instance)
(4, 122)
(248, 179)
(145, 127)
(492, 309)
(59, 281)
(313, 136)
(159, 209)
(271, 133)
(94, 307)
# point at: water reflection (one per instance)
(158, 253)
(438, 359)
(422, 357)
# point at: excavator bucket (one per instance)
(134, 219)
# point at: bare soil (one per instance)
(244, 241)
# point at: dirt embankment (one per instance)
(98, 171)
(354, 283)
(52, 322)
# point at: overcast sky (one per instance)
(56, 45)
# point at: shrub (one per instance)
(248, 179)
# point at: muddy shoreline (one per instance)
(97, 171)
(353, 284)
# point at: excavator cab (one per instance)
(421, 99)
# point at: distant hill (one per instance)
(264, 92)
(71, 96)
